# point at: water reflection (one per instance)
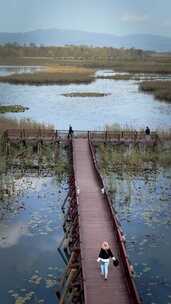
(30, 265)
(8, 70)
(10, 236)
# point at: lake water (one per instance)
(29, 237)
(125, 105)
(30, 233)
(143, 204)
(8, 70)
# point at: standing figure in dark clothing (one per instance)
(70, 132)
(104, 258)
(147, 131)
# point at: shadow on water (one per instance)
(30, 265)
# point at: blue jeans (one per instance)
(104, 266)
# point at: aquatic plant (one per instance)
(133, 158)
(12, 108)
(85, 94)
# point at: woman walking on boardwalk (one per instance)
(104, 258)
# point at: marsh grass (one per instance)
(164, 135)
(117, 127)
(8, 123)
(52, 75)
(145, 66)
(120, 157)
(120, 77)
(20, 156)
(160, 89)
(49, 159)
(47, 156)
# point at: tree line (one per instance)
(69, 51)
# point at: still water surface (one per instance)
(143, 204)
(125, 105)
(29, 235)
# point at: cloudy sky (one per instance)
(118, 17)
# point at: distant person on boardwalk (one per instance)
(70, 132)
(104, 258)
(147, 131)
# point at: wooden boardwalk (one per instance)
(95, 227)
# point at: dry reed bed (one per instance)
(142, 67)
(135, 158)
(160, 89)
(52, 75)
(8, 123)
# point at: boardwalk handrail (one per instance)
(93, 134)
(130, 281)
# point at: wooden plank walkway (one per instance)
(95, 227)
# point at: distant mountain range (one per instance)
(56, 37)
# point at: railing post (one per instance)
(106, 136)
(56, 135)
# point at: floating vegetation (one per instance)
(35, 279)
(86, 94)
(40, 267)
(50, 282)
(12, 108)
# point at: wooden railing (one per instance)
(50, 134)
(127, 267)
(72, 285)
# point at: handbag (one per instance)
(115, 262)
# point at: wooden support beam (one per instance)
(64, 203)
(69, 280)
(62, 256)
(71, 260)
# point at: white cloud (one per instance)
(10, 236)
(134, 18)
